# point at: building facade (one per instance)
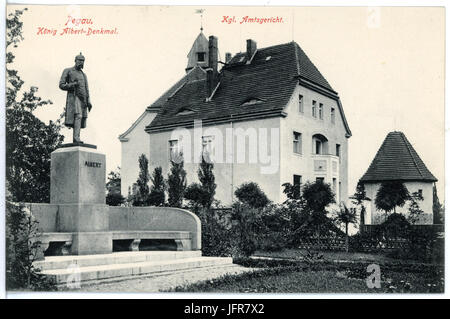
(267, 116)
(396, 160)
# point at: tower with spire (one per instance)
(198, 55)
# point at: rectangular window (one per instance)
(297, 185)
(201, 56)
(297, 143)
(420, 192)
(314, 109)
(320, 179)
(334, 186)
(333, 115)
(173, 149)
(300, 103)
(338, 150)
(318, 147)
(321, 111)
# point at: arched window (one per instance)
(319, 144)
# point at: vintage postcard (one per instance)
(224, 149)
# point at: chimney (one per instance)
(227, 57)
(212, 74)
(251, 49)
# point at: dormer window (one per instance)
(251, 101)
(201, 56)
(185, 110)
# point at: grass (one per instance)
(287, 273)
(285, 280)
(328, 255)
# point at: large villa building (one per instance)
(267, 115)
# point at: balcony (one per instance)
(326, 165)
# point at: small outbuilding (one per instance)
(396, 160)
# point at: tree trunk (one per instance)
(346, 237)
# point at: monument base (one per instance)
(81, 144)
(82, 218)
(87, 243)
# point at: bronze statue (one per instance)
(74, 81)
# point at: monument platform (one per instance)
(91, 269)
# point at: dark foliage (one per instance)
(390, 195)
(22, 244)
(29, 141)
(252, 195)
(157, 195)
(141, 198)
(113, 185)
(176, 183)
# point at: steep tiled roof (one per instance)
(397, 160)
(270, 78)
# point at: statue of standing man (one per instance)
(74, 81)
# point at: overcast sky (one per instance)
(387, 65)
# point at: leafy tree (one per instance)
(176, 181)
(390, 195)
(249, 193)
(291, 191)
(113, 185)
(207, 181)
(438, 209)
(317, 196)
(157, 195)
(141, 198)
(346, 216)
(195, 194)
(29, 141)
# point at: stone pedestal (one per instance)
(78, 175)
(77, 186)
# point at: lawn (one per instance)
(322, 281)
(327, 255)
(336, 272)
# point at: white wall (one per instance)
(137, 144)
(307, 125)
(229, 174)
(374, 216)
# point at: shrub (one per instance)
(247, 225)
(22, 246)
(252, 195)
(217, 237)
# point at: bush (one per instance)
(22, 247)
(248, 227)
(252, 195)
(196, 195)
(217, 237)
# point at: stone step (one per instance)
(124, 257)
(102, 272)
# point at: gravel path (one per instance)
(157, 283)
